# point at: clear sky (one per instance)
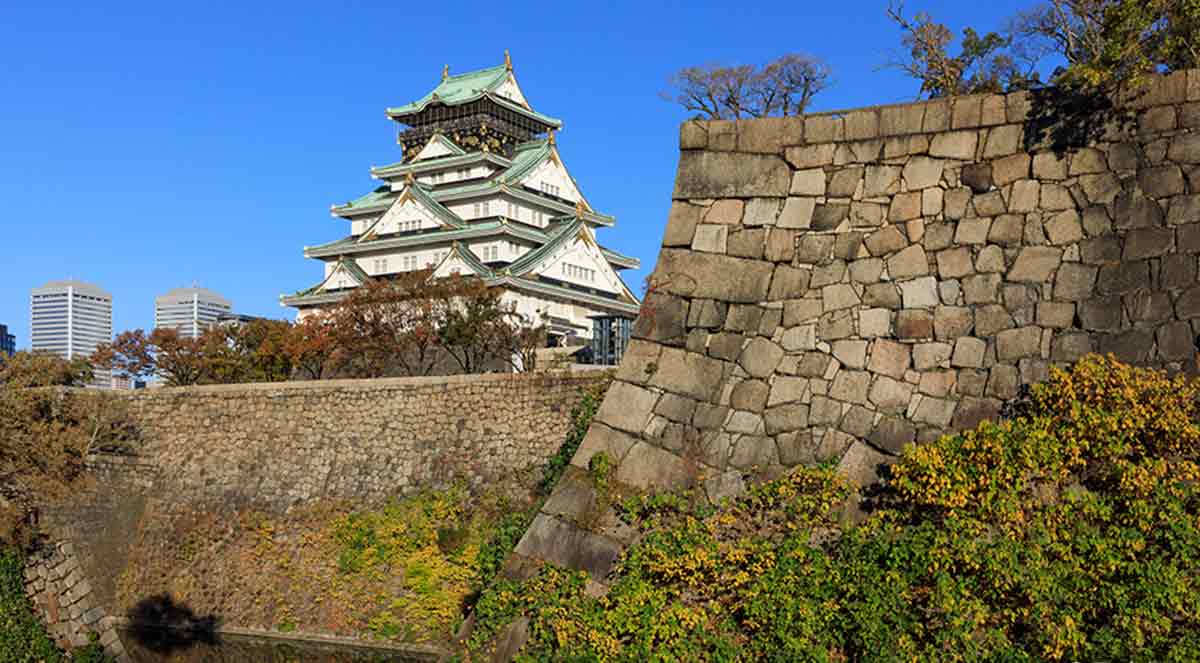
(145, 146)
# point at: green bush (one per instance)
(23, 639)
(581, 419)
(1071, 532)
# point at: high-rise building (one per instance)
(70, 319)
(8, 342)
(189, 310)
(481, 190)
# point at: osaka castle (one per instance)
(481, 190)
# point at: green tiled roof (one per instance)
(416, 167)
(347, 264)
(471, 231)
(377, 197)
(468, 87)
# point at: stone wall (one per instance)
(834, 286)
(215, 451)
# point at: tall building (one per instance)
(481, 190)
(71, 318)
(189, 310)
(8, 342)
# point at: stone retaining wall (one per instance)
(832, 287)
(218, 450)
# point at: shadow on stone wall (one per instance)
(1064, 119)
(161, 625)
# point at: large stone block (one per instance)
(862, 464)
(760, 357)
(919, 293)
(1185, 148)
(889, 358)
(1161, 181)
(708, 276)
(647, 467)
(1035, 264)
(689, 374)
(1074, 281)
(705, 174)
(959, 145)
(627, 407)
(1184, 209)
(1014, 344)
(681, 224)
(1143, 243)
(566, 544)
(923, 172)
(908, 263)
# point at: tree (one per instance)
(387, 324)
(311, 343)
(43, 369)
(1109, 44)
(985, 63)
(129, 355)
(785, 86)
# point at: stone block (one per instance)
(908, 263)
(760, 357)
(601, 438)
(769, 135)
(884, 241)
(627, 407)
(881, 180)
(1143, 243)
(953, 263)
(866, 215)
(1074, 281)
(681, 224)
(1002, 141)
(1156, 120)
(900, 120)
(810, 156)
(1185, 148)
(959, 145)
(919, 293)
(889, 358)
(1193, 85)
(706, 313)
(1134, 346)
(693, 135)
(1049, 166)
(1035, 264)
(992, 203)
(972, 231)
(848, 245)
(789, 283)
(710, 238)
(710, 276)
(1009, 169)
(968, 352)
(973, 411)
(762, 211)
(750, 395)
(1148, 306)
(726, 212)
(955, 203)
(786, 418)
(866, 270)
(990, 260)
(1087, 160)
(905, 206)
(824, 129)
(1058, 315)
(1188, 238)
(724, 486)
(675, 408)
(1024, 196)
(932, 202)
(928, 356)
(891, 434)
(780, 245)
(1177, 271)
(923, 172)
(705, 174)
(801, 310)
(1184, 209)
(977, 177)
(689, 374)
(808, 182)
(803, 337)
(1133, 210)
(885, 295)
(991, 319)
(1187, 306)
(1176, 342)
(1003, 382)
(797, 213)
(835, 325)
(1013, 344)
(1064, 228)
(861, 464)
(850, 386)
(1123, 277)
(852, 353)
(952, 321)
(787, 390)
(937, 412)
(914, 324)
(647, 467)
(889, 394)
(828, 216)
(1162, 181)
(1101, 314)
(874, 322)
(1070, 346)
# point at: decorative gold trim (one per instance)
(445, 72)
(507, 60)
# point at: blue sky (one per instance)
(145, 146)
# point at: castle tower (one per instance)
(481, 190)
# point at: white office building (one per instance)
(189, 310)
(70, 319)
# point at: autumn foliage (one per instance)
(407, 326)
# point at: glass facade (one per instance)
(610, 337)
(8, 342)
